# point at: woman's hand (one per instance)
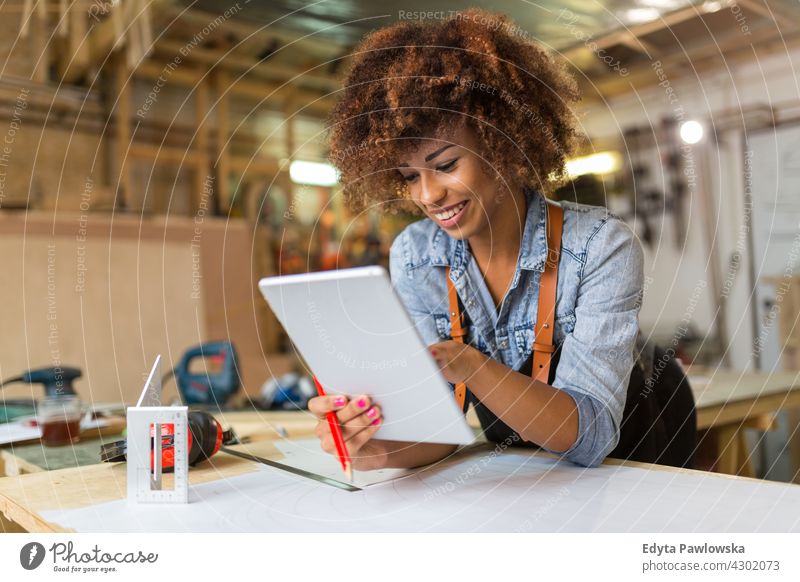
(360, 420)
(457, 361)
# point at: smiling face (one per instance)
(451, 184)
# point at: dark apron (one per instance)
(659, 423)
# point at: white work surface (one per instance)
(488, 491)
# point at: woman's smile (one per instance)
(450, 216)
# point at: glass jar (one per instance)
(60, 420)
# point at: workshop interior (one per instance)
(160, 157)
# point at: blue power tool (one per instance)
(207, 374)
(57, 380)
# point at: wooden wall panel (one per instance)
(158, 285)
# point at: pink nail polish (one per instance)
(362, 402)
(376, 422)
(339, 401)
(372, 412)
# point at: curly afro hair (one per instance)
(419, 79)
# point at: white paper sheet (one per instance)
(307, 454)
(490, 492)
(17, 432)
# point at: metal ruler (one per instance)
(295, 470)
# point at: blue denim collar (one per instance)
(454, 253)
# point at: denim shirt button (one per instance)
(503, 344)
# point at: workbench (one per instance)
(30, 465)
(484, 494)
(249, 426)
(728, 403)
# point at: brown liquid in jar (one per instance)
(60, 432)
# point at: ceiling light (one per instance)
(313, 173)
(691, 131)
(600, 163)
(665, 4)
(640, 15)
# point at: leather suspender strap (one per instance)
(543, 347)
(457, 331)
(548, 284)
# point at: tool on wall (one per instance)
(218, 376)
(646, 200)
(672, 162)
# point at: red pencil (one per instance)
(338, 439)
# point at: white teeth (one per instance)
(450, 213)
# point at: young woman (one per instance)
(467, 124)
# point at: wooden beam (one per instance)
(218, 58)
(42, 8)
(245, 165)
(244, 30)
(770, 14)
(63, 18)
(147, 26)
(75, 60)
(289, 120)
(665, 21)
(165, 155)
(202, 170)
(256, 90)
(25, 18)
(117, 25)
(133, 40)
(112, 33)
(641, 76)
(68, 98)
(640, 46)
(223, 165)
(259, 90)
(32, 28)
(122, 90)
(626, 34)
(152, 70)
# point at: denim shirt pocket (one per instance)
(443, 327)
(523, 333)
(523, 337)
(565, 325)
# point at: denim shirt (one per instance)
(600, 283)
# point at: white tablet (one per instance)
(355, 335)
